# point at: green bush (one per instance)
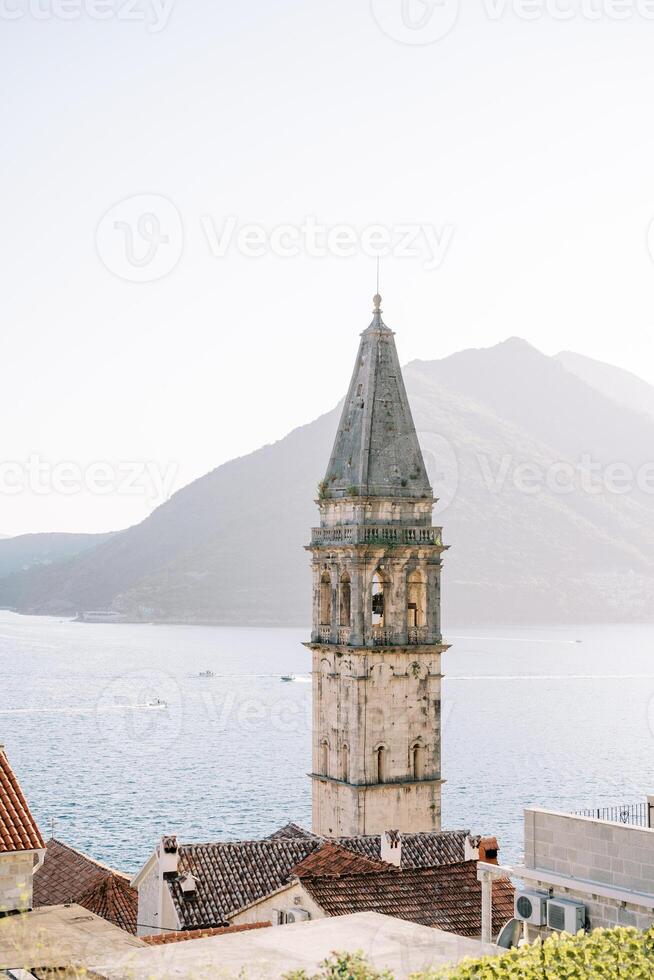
(605, 954)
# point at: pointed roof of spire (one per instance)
(376, 452)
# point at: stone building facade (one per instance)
(376, 638)
(21, 846)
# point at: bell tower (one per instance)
(376, 639)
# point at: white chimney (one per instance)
(391, 847)
(188, 884)
(168, 857)
(471, 849)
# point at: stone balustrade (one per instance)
(381, 535)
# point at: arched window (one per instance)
(345, 763)
(380, 764)
(345, 600)
(418, 761)
(324, 757)
(416, 600)
(378, 600)
(325, 599)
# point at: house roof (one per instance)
(177, 937)
(291, 830)
(418, 850)
(376, 451)
(18, 829)
(332, 859)
(446, 897)
(113, 899)
(230, 876)
(68, 875)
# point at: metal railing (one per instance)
(635, 814)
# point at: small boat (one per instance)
(206, 673)
(288, 677)
(157, 703)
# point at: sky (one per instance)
(195, 192)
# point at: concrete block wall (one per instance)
(617, 855)
(611, 855)
(16, 881)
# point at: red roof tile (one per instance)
(332, 860)
(67, 874)
(113, 899)
(179, 937)
(18, 829)
(446, 897)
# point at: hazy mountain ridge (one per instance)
(27, 551)
(229, 547)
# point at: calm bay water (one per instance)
(531, 717)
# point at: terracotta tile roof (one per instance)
(18, 829)
(70, 877)
(113, 899)
(231, 875)
(418, 850)
(180, 937)
(291, 830)
(333, 860)
(446, 897)
(67, 874)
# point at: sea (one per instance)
(117, 738)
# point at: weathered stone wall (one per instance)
(16, 881)
(389, 699)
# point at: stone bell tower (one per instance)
(376, 639)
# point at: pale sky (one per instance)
(524, 147)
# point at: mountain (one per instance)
(28, 551)
(503, 430)
(622, 386)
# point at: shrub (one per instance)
(610, 954)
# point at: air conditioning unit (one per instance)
(531, 907)
(286, 917)
(566, 916)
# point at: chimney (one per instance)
(168, 857)
(188, 885)
(391, 847)
(488, 850)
